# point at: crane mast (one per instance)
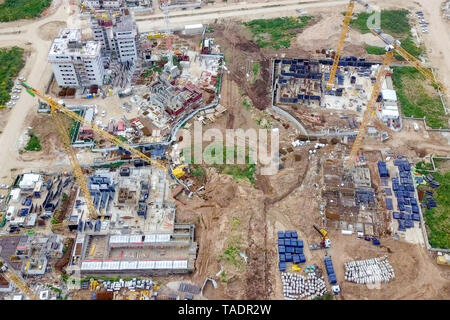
(337, 55)
(370, 109)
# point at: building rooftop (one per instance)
(69, 42)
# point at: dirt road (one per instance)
(437, 40)
(37, 72)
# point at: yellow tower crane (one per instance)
(56, 107)
(370, 109)
(11, 275)
(396, 45)
(343, 35)
(391, 46)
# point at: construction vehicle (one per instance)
(325, 243)
(156, 35)
(57, 109)
(296, 268)
(178, 171)
(343, 35)
(11, 275)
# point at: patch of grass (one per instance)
(415, 100)
(54, 220)
(223, 277)
(437, 220)
(11, 10)
(394, 22)
(11, 62)
(231, 253)
(33, 144)
(375, 50)
(246, 104)
(275, 31)
(64, 277)
(422, 167)
(235, 223)
(238, 172)
(198, 171)
(255, 68)
(409, 45)
(326, 296)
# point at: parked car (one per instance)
(22, 79)
(10, 104)
(15, 97)
(4, 186)
(103, 113)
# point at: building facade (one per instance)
(76, 63)
(102, 4)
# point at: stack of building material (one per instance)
(374, 270)
(403, 186)
(330, 270)
(290, 249)
(297, 286)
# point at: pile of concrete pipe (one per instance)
(375, 270)
(296, 286)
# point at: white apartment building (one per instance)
(74, 63)
(102, 4)
(117, 33)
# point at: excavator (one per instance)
(324, 244)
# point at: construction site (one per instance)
(109, 206)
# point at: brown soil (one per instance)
(50, 30)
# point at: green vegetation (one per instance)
(11, 62)
(33, 144)
(423, 167)
(175, 61)
(415, 99)
(11, 10)
(246, 104)
(64, 277)
(198, 171)
(231, 253)
(255, 68)
(223, 277)
(375, 50)
(64, 197)
(238, 171)
(73, 130)
(156, 68)
(276, 32)
(235, 223)
(409, 45)
(57, 290)
(393, 22)
(54, 220)
(437, 220)
(326, 296)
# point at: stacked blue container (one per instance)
(382, 169)
(403, 187)
(330, 270)
(290, 249)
